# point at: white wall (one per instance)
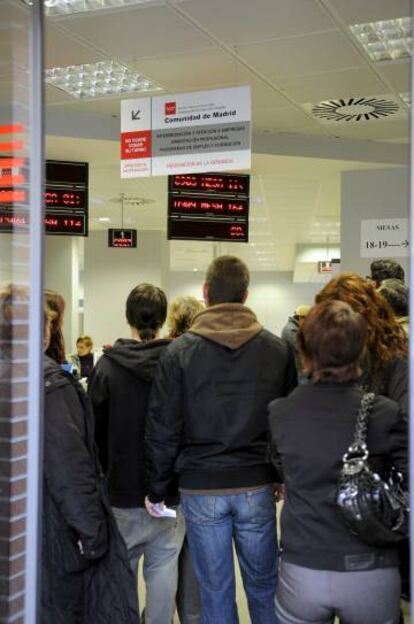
(62, 275)
(110, 274)
(374, 194)
(272, 297)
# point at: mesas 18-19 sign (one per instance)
(186, 133)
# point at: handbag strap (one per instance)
(358, 448)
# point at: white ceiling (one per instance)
(292, 52)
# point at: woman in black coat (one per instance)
(86, 578)
(327, 571)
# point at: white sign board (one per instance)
(136, 138)
(190, 133)
(384, 238)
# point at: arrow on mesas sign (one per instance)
(135, 115)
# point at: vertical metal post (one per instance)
(411, 342)
(35, 422)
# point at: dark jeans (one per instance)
(213, 522)
(188, 593)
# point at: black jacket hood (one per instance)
(139, 358)
(53, 374)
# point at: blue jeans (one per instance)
(213, 522)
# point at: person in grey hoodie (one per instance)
(119, 387)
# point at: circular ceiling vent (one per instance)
(355, 109)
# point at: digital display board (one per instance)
(65, 197)
(201, 229)
(215, 183)
(55, 223)
(123, 239)
(209, 206)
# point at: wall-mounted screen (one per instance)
(216, 183)
(124, 239)
(213, 230)
(65, 197)
(209, 206)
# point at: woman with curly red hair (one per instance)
(385, 368)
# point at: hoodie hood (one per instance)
(229, 324)
(139, 358)
(53, 374)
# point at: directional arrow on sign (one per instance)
(135, 115)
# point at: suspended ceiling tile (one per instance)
(376, 131)
(207, 69)
(334, 84)
(397, 74)
(301, 56)
(361, 11)
(285, 119)
(62, 50)
(133, 33)
(238, 22)
(198, 70)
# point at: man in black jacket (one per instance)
(119, 388)
(207, 420)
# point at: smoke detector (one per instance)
(356, 110)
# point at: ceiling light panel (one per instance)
(68, 7)
(92, 80)
(385, 40)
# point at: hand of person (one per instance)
(279, 490)
(153, 508)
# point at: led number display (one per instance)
(203, 229)
(124, 239)
(214, 183)
(54, 223)
(209, 206)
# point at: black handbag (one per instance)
(375, 508)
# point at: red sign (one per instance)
(192, 205)
(203, 229)
(170, 108)
(136, 144)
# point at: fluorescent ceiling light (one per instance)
(91, 80)
(104, 219)
(67, 7)
(385, 40)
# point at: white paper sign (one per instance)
(384, 238)
(190, 133)
(136, 138)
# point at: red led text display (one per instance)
(54, 223)
(124, 239)
(230, 231)
(65, 196)
(209, 206)
(215, 183)
(188, 205)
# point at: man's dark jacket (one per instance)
(310, 431)
(207, 418)
(119, 387)
(85, 572)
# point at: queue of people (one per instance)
(197, 435)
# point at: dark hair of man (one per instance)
(227, 280)
(332, 340)
(396, 293)
(146, 310)
(386, 269)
